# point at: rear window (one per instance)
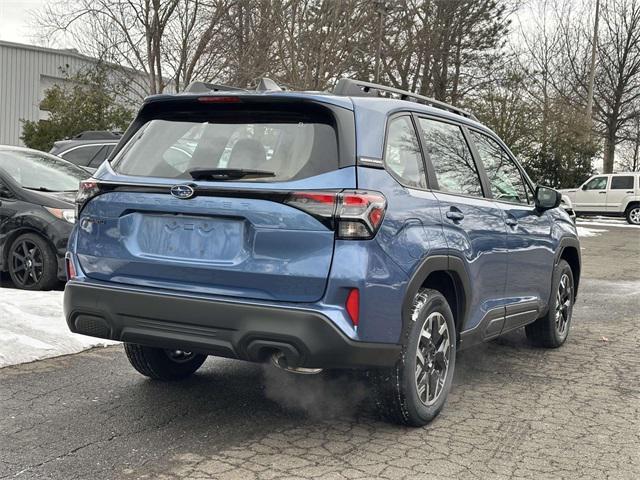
(290, 146)
(620, 183)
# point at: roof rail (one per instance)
(264, 85)
(348, 87)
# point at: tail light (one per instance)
(356, 215)
(71, 268)
(87, 190)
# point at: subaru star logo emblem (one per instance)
(182, 191)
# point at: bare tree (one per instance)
(193, 46)
(166, 40)
(617, 78)
(618, 89)
(630, 147)
(542, 46)
(304, 44)
(431, 45)
(320, 40)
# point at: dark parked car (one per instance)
(87, 149)
(319, 231)
(37, 213)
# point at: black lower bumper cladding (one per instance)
(222, 328)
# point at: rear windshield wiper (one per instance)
(228, 173)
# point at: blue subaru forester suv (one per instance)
(370, 228)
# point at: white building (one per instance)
(26, 71)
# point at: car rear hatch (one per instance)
(228, 195)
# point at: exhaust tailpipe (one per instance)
(280, 360)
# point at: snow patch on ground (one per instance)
(606, 222)
(32, 327)
(590, 232)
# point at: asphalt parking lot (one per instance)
(514, 411)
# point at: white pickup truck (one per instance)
(615, 195)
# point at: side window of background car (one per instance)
(622, 183)
(447, 149)
(504, 176)
(81, 156)
(598, 183)
(402, 153)
(101, 156)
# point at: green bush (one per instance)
(85, 102)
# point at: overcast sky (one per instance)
(15, 19)
(16, 24)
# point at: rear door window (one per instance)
(290, 146)
(447, 149)
(622, 183)
(402, 153)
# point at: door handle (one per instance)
(512, 222)
(629, 191)
(602, 193)
(455, 216)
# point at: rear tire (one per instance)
(633, 215)
(552, 330)
(161, 364)
(415, 390)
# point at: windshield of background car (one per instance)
(39, 171)
(291, 145)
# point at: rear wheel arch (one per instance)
(445, 274)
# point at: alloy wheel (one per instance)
(564, 297)
(432, 357)
(634, 215)
(27, 263)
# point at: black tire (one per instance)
(157, 363)
(397, 391)
(633, 214)
(551, 331)
(33, 264)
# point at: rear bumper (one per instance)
(245, 331)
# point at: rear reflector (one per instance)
(356, 215)
(353, 306)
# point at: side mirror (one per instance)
(584, 187)
(5, 192)
(547, 198)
